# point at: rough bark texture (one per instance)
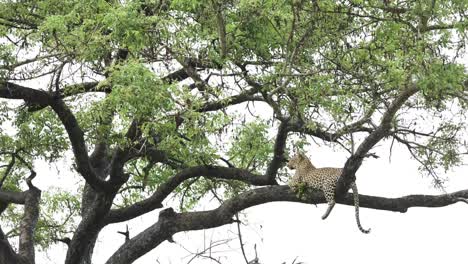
(28, 225)
(26, 251)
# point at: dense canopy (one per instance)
(157, 99)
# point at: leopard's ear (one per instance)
(301, 155)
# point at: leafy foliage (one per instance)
(167, 86)
(251, 146)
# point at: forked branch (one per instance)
(354, 162)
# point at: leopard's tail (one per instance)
(356, 207)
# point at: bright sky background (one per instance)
(283, 231)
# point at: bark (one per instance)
(80, 151)
(278, 151)
(28, 225)
(12, 197)
(100, 163)
(26, 253)
(79, 250)
(10, 90)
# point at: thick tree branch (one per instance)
(12, 197)
(278, 151)
(7, 254)
(37, 97)
(80, 151)
(221, 25)
(28, 224)
(10, 90)
(170, 222)
(176, 76)
(191, 71)
(154, 202)
(88, 229)
(354, 162)
(181, 74)
(86, 87)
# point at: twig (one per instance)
(240, 238)
(126, 234)
(8, 170)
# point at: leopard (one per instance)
(324, 179)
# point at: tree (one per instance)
(181, 98)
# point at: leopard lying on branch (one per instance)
(324, 179)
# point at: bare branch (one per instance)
(8, 169)
(239, 233)
(300, 127)
(125, 233)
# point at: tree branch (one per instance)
(354, 162)
(358, 126)
(7, 254)
(247, 96)
(37, 97)
(28, 224)
(300, 127)
(278, 151)
(154, 202)
(221, 25)
(28, 61)
(10, 90)
(170, 222)
(80, 151)
(12, 197)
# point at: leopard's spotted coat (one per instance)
(324, 179)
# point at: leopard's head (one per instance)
(297, 159)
